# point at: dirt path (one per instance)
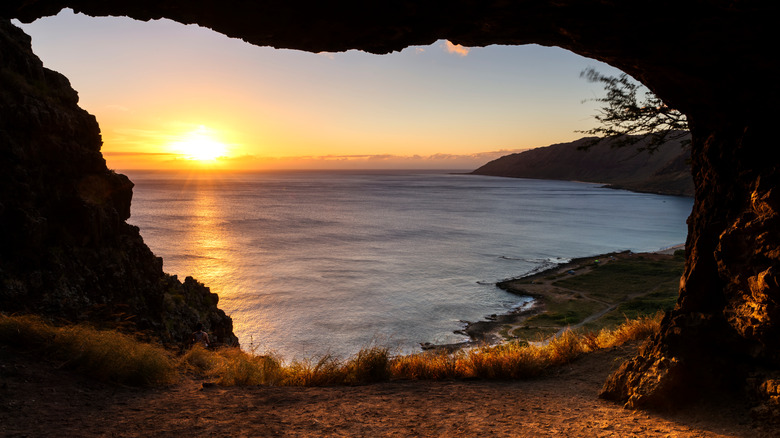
(37, 400)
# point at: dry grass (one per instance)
(112, 356)
(427, 366)
(105, 355)
(642, 327)
(369, 365)
(232, 366)
(512, 360)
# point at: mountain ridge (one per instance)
(665, 171)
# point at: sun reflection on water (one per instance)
(214, 258)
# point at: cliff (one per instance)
(665, 171)
(66, 250)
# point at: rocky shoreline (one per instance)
(488, 331)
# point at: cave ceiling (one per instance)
(682, 50)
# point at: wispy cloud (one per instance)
(138, 154)
(456, 49)
(124, 158)
(368, 161)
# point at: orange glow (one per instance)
(199, 145)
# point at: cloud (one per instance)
(371, 161)
(138, 154)
(249, 162)
(456, 49)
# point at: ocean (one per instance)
(310, 263)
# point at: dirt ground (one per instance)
(38, 400)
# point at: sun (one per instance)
(200, 145)
(204, 149)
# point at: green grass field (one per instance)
(627, 286)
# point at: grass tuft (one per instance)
(233, 367)
(25, 332)
(368, 366)
(631, 330)
(105, 355)
(326, 371)
(428, 366)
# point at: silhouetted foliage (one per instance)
(628, 121)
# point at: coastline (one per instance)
(489, 330)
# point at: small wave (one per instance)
(522, 305)
(541, 266)
(555, 260)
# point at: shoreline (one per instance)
(487, 332)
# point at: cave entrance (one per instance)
(727, 317)
(181, 98)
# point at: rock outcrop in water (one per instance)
(66, 250)
(711, 59)
(666, 171)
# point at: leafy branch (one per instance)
(627, 121)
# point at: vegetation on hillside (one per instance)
(606, 292)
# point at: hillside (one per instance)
(666, 171)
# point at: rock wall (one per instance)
(724, 332)
(65, 248)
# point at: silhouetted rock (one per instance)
(66, 250)
(665, 171)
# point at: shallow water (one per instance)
(313, 263)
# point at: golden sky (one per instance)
(173, 96)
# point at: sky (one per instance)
(173, 96)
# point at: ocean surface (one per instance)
(312, 263)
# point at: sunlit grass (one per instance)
(642, 327)
(102, 354)
(511, 360)
(231, 366)
(116, 357)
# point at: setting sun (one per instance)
(200, 145)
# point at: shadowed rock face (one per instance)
(66, 250)
(714, 60)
